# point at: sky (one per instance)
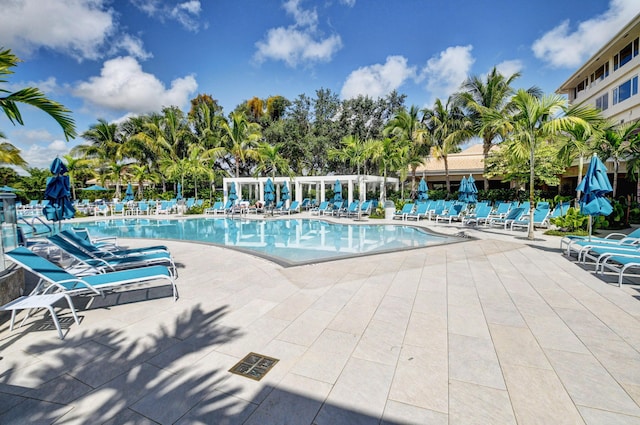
(110, 59)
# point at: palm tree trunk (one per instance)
(580, 168)
(486, 147)
(532, 176)
(615, 177)
(446, 173)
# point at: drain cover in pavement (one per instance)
(254, 366)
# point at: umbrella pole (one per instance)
(590, 228)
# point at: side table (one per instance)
(39, 301)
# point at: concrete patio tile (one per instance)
(426, 329)
(335, 298)
(307, 327)
(394, 309)
(62, 390)
(296, 400)
(584, 323)
(589, 384)
(396, 413)
(469, 321)
(129, 417)
(248, 313)
(8, 401)
(538, 397)
(327, 356)
(34, 412)
(504, 313)
(353, 399)
(218, 408)
(474, 360)
(421, 378)
(598, 417)
(353, 318)
(292, 307)
(518, 346)
(553, 333)
(472, 404)
(253, 337)
(381, 342)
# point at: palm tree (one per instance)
(494, 93)
(75, 167)
(389, 155)
(9, 154)
(353, 151)
(270, 160)
(30, 96)
(580, 139)
(448, 127)
(616, 142)
(535, 120)
(240, 139)
(407, 125)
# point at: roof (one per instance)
(470, 160)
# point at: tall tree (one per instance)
(448, 127)
(388, 154)
(616, 143)
(534, 120)
(240, 139)
(493, 93)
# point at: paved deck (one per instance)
(491, 331)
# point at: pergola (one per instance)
(298, 183)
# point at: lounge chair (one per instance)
(480, 216)
(90, 263)
(501, 210)
(365, 208)
(620, 263)
(306, 204)
(505, 222)
(62, 280)
(352, 209)
(612, 238)
(117, 209)
(337, 208)
(293, 208)
(217, 206)
(421, 211)
(539, 219)
(455, 212)
(91, 248)
(404, 212)
(322, 209)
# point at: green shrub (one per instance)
(571, 221)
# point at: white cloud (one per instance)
(123, 86)
(298, 43)
(348, 3)
(185, 13)
(40, 155)
(132, 45)
(29, 137)
(79, 28)
(379, 79)
(47, 86)
(447, 71)
(510, 67)
(566, 47)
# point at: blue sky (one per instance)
(110, 59)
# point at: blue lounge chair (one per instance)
(322, 209)
(505, 222)
(90, 263)
(421, 211)
(217, 207)
(62, 280)
(620, 263)
(404, 212)
(577, 243)
(454, 212)
(352, 209)
(540, 216)
(365, 208)
(75, 238)
(480, 216)
(293, 208)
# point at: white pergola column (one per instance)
(322, 191)
(350, 191)
(363, 190)
(261, 191)
(298, 186)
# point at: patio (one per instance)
(495, 330)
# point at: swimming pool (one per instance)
(285, 241)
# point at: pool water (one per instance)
(284, 241)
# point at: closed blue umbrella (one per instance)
(128, 195)
(423, 190)
(337, 191)
(284, 192)
(269, 193)
(594, 186)
(472, 190)
(463, 191)
(179, 190)
(232, 193)
(58, 193)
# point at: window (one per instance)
(583, 85)
(602, 102)
(600, 73)
(625, 90)
(627, 53)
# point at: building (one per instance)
(609, 79)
